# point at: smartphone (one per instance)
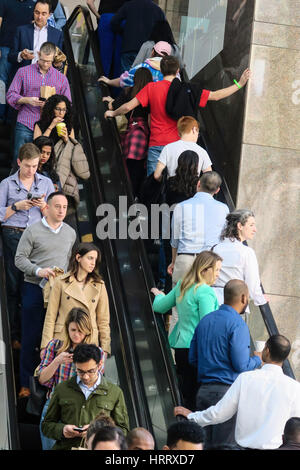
(78, 429)
(34, 198)
(42, 99)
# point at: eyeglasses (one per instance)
(88, 372)
(61, 110)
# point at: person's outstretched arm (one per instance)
(225, 92)
(124, 109)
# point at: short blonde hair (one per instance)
(185, 124)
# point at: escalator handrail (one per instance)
(139, 400)
(147, 272)
(12, 421)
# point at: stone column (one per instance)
(269, 178)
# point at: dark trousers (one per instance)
(187, 378)
(14, 280)
(33, 315)
(208, 395)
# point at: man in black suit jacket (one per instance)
(30, 37)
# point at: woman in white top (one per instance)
(239, 260)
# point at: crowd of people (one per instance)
(57, 301)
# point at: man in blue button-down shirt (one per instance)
(197, 224)
(18, 210)
(220, 349)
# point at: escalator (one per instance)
(141, 361)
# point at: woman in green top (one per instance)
(193, 298)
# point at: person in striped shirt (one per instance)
(24, 93)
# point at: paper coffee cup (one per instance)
(59, 127)
(259, 345)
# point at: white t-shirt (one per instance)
(171, 152)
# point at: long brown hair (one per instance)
(203, 261)
(83, 322)
(82, 249)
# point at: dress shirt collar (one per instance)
(203, 195)
(44, 222)
(16, 177)
(36, 65)
(93, 387)
(36, 28)
(272, 368)
(228, 308)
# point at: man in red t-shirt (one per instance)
(163, 129)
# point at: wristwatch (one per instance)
(13, 206)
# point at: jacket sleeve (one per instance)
(51, 426)
(79, 162)
(103, 319)
(60, 40)
(119, 413)
(162, 303)
(207, 302)
(23, 252)
(52, 312)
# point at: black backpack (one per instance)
(183, 99)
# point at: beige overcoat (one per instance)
(66, 294)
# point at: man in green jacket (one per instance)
(76, 402)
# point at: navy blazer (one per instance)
(24, 40)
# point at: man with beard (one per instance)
(220, 350)
(263, 400)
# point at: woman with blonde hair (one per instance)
(57, 360)
(194, 298)
(82, 287)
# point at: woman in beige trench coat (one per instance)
(82, 287)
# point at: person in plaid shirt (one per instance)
(57, 359)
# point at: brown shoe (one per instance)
(16, 344)
(24, 392)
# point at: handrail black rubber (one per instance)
(12, 421)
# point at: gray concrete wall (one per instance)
(269, 177)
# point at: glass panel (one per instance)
(198, 28)
(106, 149)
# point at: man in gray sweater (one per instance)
(43, 246)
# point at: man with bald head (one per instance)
(220, 350)
(263, 400)
(140, 439)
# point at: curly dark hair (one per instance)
(232, 219)
(187, 175)
(47, 114)
(50, 166)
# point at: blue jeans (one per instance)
(110, 46)
(23, 135)
(5, 71)
(33, 315)
(14, 280)
(153, 156)
(47, 442)
(127, 59)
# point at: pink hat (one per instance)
(163, 47)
